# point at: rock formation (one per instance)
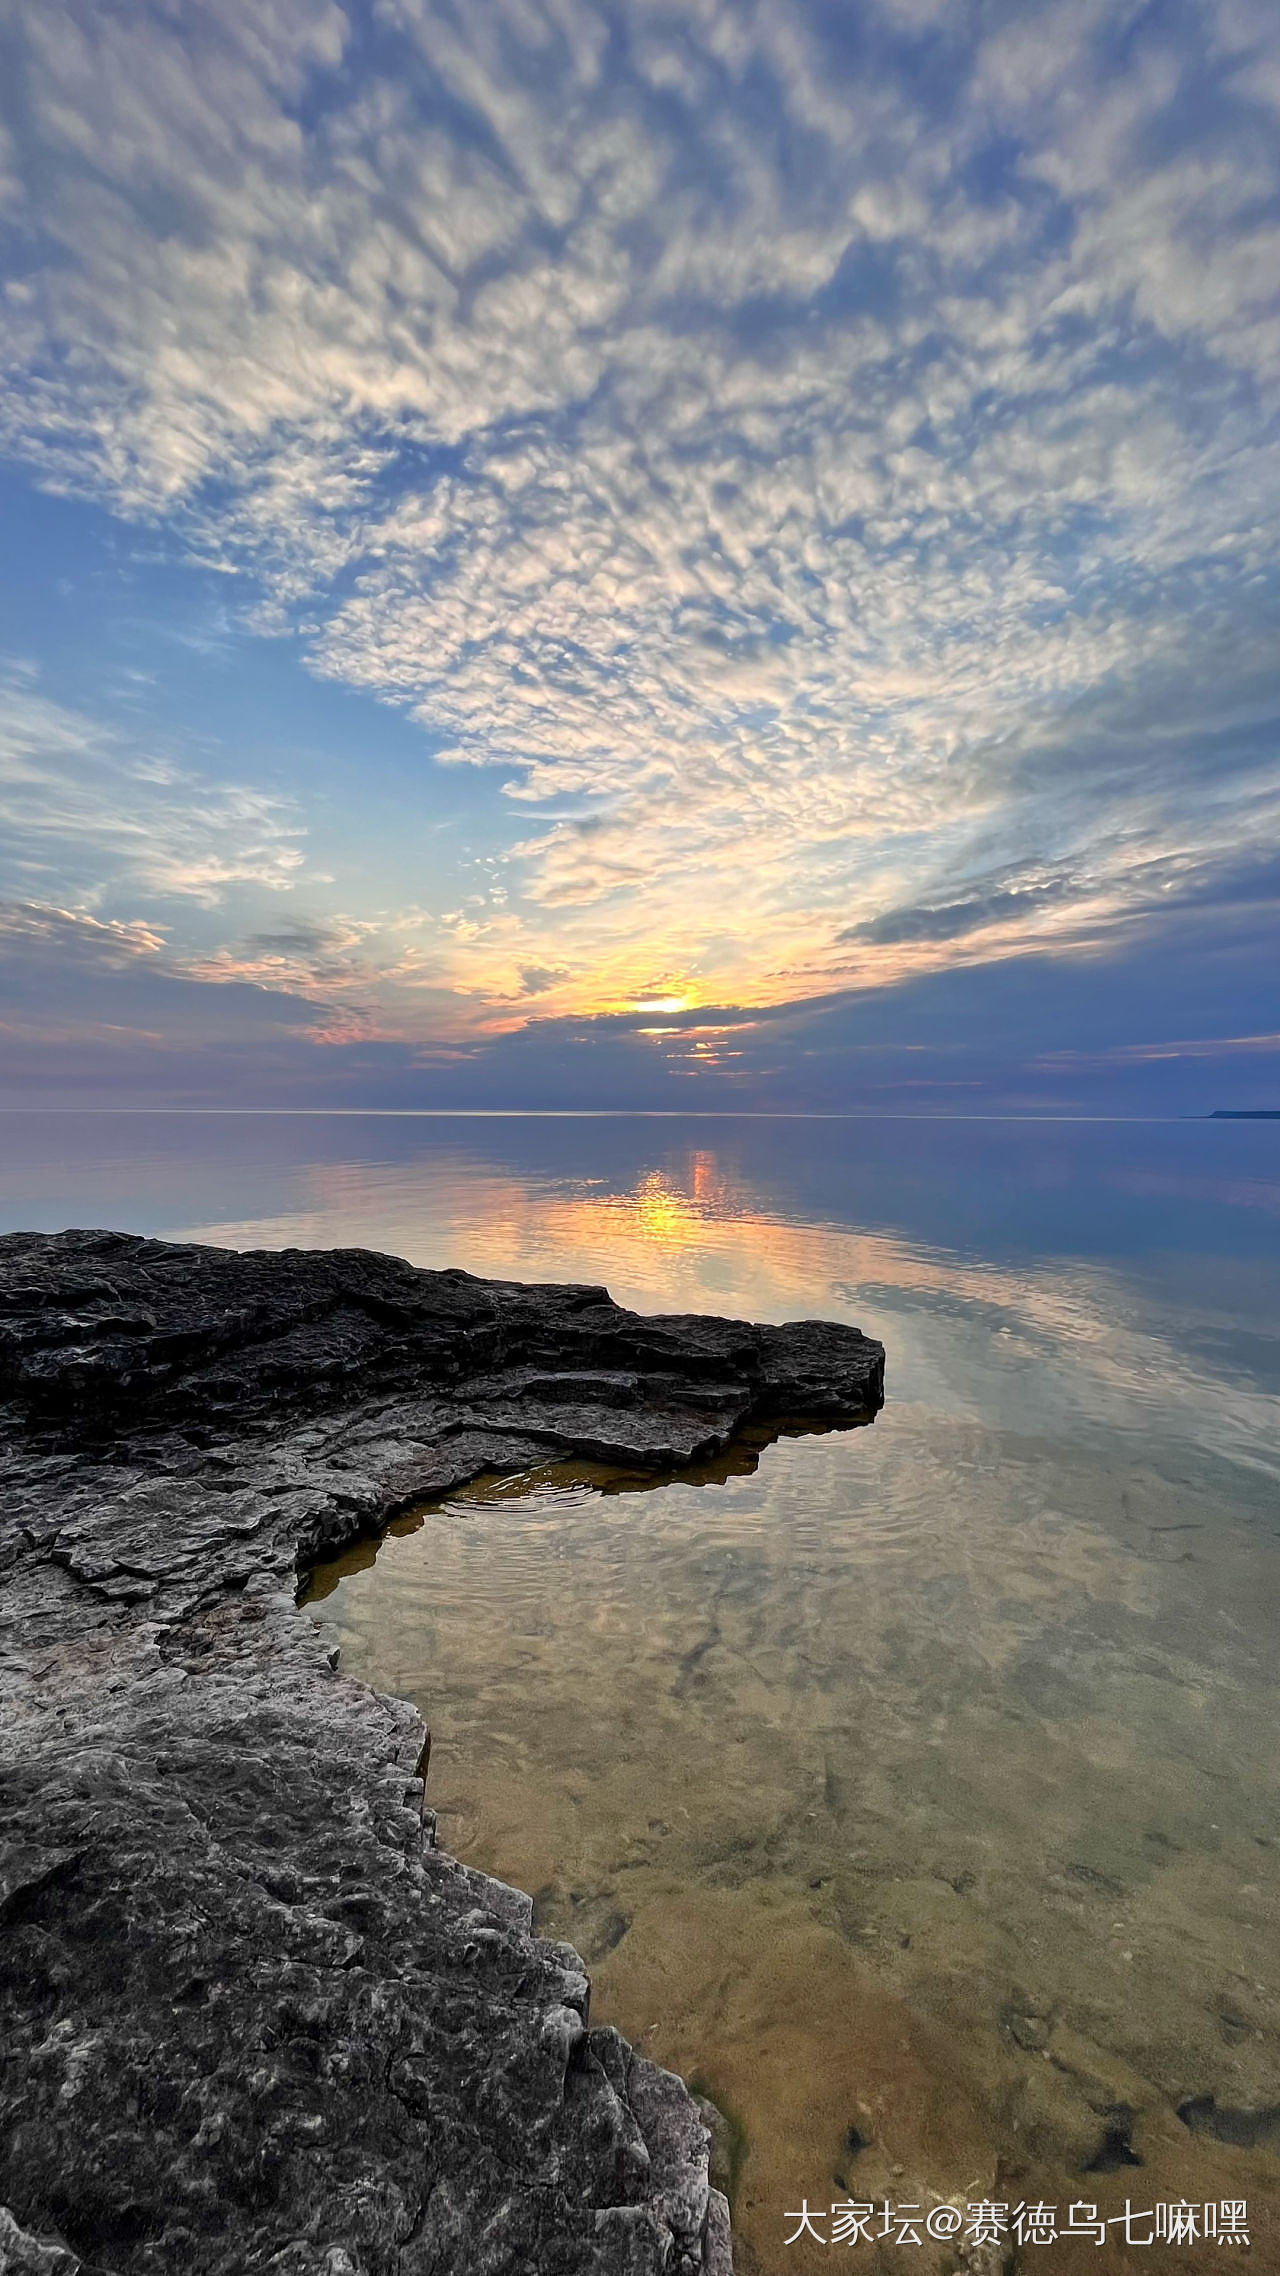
(251, 2018)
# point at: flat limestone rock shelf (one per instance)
(251, 2018)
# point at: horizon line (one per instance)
(627, 1113)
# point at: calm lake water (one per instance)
(913, 1789)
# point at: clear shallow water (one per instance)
(919, 1779)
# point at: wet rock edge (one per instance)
(252, 2017)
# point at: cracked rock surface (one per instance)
(251, 2018)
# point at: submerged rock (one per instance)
(252, 2019)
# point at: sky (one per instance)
(604, 555)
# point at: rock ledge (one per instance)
(251, 2019)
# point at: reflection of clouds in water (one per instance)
(1072, 1346)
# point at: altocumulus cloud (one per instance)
(825, 458)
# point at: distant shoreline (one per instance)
(1245, 1114)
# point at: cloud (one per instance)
(323, 963)
(954, 919)
(1147, 1054)
(314, 953)
(85, 811)
(110, 945)
(826, 451)
(102, 1006)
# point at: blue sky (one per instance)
(624, 554)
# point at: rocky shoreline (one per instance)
(252, 2019)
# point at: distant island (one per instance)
(1245, 1114)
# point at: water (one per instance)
(913, 1787)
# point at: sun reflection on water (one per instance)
(1047, 1343)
